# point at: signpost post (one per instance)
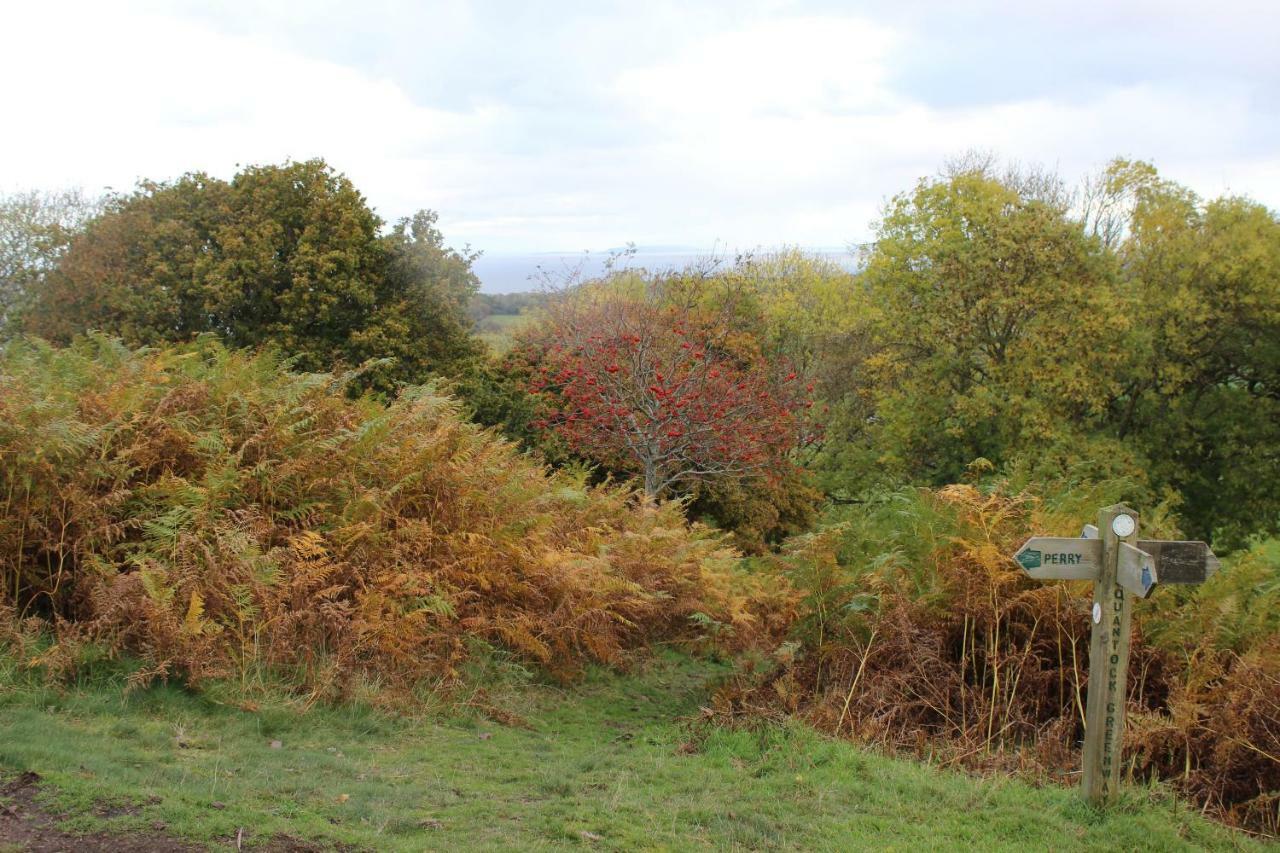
(1121, 566)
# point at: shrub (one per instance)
(289, 255)
(759, 512)
(219, 515)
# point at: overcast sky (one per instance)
(554, 126)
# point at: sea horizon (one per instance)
(522, 272)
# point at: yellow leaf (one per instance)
(195, 610)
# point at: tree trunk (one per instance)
(650, 480)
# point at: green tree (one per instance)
(420, 318)
(816, 315)
(1203, 394)
(1131, 330)
(285, 254)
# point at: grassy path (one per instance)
(605, 765)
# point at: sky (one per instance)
(569, 126)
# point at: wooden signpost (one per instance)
(1121, 566)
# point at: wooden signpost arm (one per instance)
(1108, 664)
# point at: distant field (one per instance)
(618, 763)
(498, 330)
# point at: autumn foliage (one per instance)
(219, 516)
(290, 255)
(665, 390)
(919, 633)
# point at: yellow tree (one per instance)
(1001, 325)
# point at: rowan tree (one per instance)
(665, 391)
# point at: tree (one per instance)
(664, 389)
(289, 255)
(146, 269)
(1131, 330)
(35, 228)
(816, 315)
(1202, 396)
(999, 327)
(420, 318)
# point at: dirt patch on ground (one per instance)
(25, 825)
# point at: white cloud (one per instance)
(107, 98)
(559, 130)
(794, 67)
(812, 128)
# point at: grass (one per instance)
(617, 762)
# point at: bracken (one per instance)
(218, 515)
(918, 632)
